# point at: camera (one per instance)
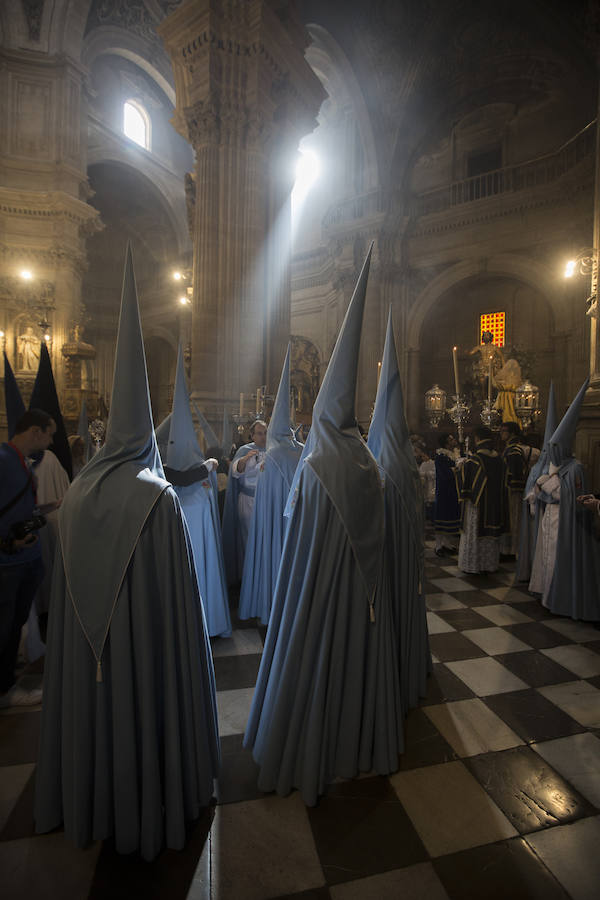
(20, 530)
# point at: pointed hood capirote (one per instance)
(183, 450)
(15, 407)
(106, 508)
(336, 451)
(389, 437)
(280, 437)
(561, 443)
(44, 396)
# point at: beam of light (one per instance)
(308, 170)
(570, 268)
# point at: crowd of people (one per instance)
(142, 566)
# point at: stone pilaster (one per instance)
(245, 96)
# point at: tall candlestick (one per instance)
(241, 405)
(490, 384)
(257, 401)
(455, 361)
(378, 372)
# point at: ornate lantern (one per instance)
(490, 416)
(527, 403)
(435, 405)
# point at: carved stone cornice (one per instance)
(51, 205)
(48, 257)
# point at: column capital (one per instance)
(240, 73)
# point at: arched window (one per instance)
(136, 123)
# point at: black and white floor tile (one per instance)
(496, 796)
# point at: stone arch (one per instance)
(524, 269)
(157, 187)
(107, 40)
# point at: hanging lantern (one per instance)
(527, 403)
(435, 405)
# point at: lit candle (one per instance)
(490, 383)
(455, 361)
(241, 405)
(378, 372)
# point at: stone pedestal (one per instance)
(245, 97)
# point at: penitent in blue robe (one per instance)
(268, 526)
(199, 504)
(403, 555)
(129, 744)
(575, 588)
(312, 712)
(267, 533)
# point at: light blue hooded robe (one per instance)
(129, 744)
(575, 588)
(530, 523)
(309, 707)
(389, 442)
(200, 509)
(267, 530)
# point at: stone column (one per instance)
(245, 96)
(587, 443)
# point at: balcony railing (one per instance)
(533, 173)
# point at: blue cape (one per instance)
(267, 531)
(199, 505)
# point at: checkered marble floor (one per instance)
(497, 794)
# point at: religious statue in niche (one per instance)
(28, 349)
(486, 353)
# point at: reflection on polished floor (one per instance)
(497, 794)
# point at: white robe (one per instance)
(547, 487)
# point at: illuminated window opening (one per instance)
(496, 323)
(136, 123)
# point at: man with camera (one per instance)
(21, 567)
